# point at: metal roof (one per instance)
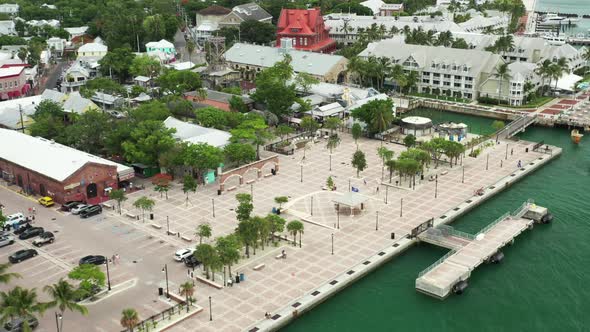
(192, 133)
(46, 157)
(351, 199)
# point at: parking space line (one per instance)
(49, 277)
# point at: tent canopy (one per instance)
(351, 199)
(567, 81)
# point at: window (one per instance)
(457, 77)
(425, 81)
(11, 84)
(433, 65)
(15, 83)
(436, 82)
(465, 68)
(468, 86)
(468, 79)
(447, 76)
(454, 67)
(426, 73)
(457, 85)
(436, 75)
(446, 83)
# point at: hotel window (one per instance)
(468, 86)
(436, 82)
(436, 75)
(457, 77)
(447, 76)
(15, 83)
(425, 81)
(11, 84)
(457, 85)
(446, 83)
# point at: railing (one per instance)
(453, 232)
(151, 323)
(488, 227)
(523, 208)
(435, 264)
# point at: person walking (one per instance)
(519, 165)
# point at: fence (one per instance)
(523, 208)
(453, 232)
(435, 264)
(488, 227)
(152, 322)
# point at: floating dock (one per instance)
(450, 273)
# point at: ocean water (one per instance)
(542, 284)
(580, 7)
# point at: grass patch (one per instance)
(536, 102)
(440, 97)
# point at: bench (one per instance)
(250, 181)
(107, 205)
(267, 175)
(132, 215)
(444, 172)
(231, 188)
(156, 226)
(279, 256)
(209, 282)
(172, 233)
(258, 267)
(187, 239)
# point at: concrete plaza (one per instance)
(282, 281)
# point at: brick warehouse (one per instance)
(43, 167)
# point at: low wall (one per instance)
(242, 170)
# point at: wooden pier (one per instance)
(469, 251)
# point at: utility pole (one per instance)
(22, 124)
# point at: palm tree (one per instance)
(544, 70)
(63, 297)
(527, 88)
(187, 289)
(556, 71)
(203, 231)
(19, 303)
(129, 318)
(502, 72)
(6, 276)
(391, 167)
(294, 227)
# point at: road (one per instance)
(142, 257)
(49, 81)
(180, 45)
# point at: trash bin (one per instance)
(526, 150)
(237, 279)
(160, 291)
(242, 277)
(151, 216)
(218, 192)
(393, 236)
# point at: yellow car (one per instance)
(46, 201)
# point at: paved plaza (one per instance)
(145, 249)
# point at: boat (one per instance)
(576, 136)
(554, 39)
(554, 19)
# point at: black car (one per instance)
(90, 211)
(191, 261)
(93, 259)
(17, 325)
(31, 232)
(22, 255)
(70, 205)
(22, 228)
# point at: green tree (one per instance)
(228, 248)
(359, 162)
(305, 81)
(283, 130)
(203, 231)
(248, 234)
(263, 230)
(352, 7)
(188, 185)
(256, 32)
(129, 319)
(391, 167)
(187, 289)
(277, 224)
(118, 195)
(20, 303)
(330, 183)
(90, 276)
(144, 204)
(502, 72)
(254, 131)
(88, 131)
(332, 143)
(163, 186)
(190, 48)
(357, 131)
(435, 147)
(206, 254)
(236, 104)
(147, 141)
(245, 206)
(63, 297)
(178, 82)
(295, 227)
(280, 200)
(385, 154)
(240, 153)
(6, 276)
(49, 121)
(211, 117)
(274, 89)
(154, 110)
(410, 141)
(332, 124)
(201, 157)
(117, 62)
(145, 65)
(309, 125)
(498, 125)
(102, 84)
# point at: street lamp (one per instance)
(58, 318)
(312, 205)
(487, 160)
(338, 216)
(376, 220)
(213, 202)
(168, 225)
(436, 186)
(463, 176)
(332, 243)
(210, 310)
(108, 274)
(301, 173)
(401, 207)
(165, 270)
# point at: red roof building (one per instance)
(306, 28)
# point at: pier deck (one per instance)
(438, 280)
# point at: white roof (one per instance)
(417, 120)
(181, 65)
(193, 133)
(53, 95)
(567, 81)
(208, 26)
(11, 71)
(264, 56)
(160, 44)
(141, 78)
(77, 30)
(93, 47)
(374, 5)
(46, 157)
(10, 113)
(327, 110)
(76, 103)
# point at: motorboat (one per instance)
(554, 39)
(554, 19)
(576, 136)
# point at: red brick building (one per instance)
(306, 28)
(42, 167)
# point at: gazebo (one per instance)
(351, 200)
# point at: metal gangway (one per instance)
(517, 126)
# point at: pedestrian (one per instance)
(519, 165)
(230, 282)
(114, 260)
(34, 210)
(511, 151)
(365, 181)
(117, 258)
(192, 275)
(377, 190)
(188, 272)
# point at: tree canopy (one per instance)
(273, 88)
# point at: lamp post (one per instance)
(168, 225)
(301, 176)
(506, 157)
(376, 220)
(436, 186)
(165, 270)
(213, 203)
(330, 161)
(252, 191)
(210, 310)
(312, 205)
(487, 160)
(338, 216)
(463, 176)
(58, 318)
(108, 274)
(386, 193)
(401, 207)
(332, 243)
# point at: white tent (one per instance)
(566, 82)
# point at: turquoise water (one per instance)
(542, 284)
(580, 7)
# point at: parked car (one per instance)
(6, 240)
(91, 211)
(182, 254)
(44, 238)
(22, 255)
(191, 261)
(79, 208)
(46, 201)
(31, 232)
(70, 205)
(17, 325)
(93, 259)
(19, 229)
(15, 218)
(116, 114)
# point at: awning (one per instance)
(351, 199)
(567, 82)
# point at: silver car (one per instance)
(6, 240)
(79, 208)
